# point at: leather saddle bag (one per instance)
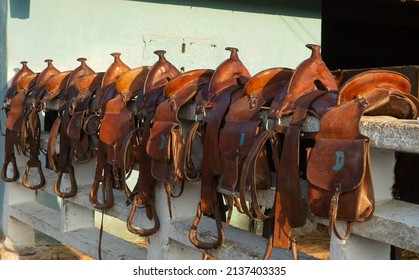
(163, 147)
(340, 185)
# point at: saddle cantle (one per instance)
(53, 87)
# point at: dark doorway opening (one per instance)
(370, 33)
(362, 34)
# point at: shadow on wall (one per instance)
(19, 8)
(306, 8)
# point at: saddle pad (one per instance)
(16, 114)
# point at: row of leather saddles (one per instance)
(245, 136)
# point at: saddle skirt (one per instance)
(18, 106)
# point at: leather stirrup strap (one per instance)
(332, 219)
(64, 161)
(52, 143)
(9, 157)
(211, 155)
(142, 191)
(289, 211)
(249, 174)
(34, 142)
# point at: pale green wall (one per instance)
(66, 29)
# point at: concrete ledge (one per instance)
(394, 222)
(393, 134)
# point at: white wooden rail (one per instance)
(73, 221)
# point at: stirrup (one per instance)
(73, 184)
(33, 164)
(140, 231)
(15, 177)
(108, 194)
(193, 231)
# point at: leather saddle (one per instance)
(117, 121)
(166, 144)
(243, 123)
(310, 91)
(225, 87)
(142, 194)
(83, 144)
(12, 90)
(338, 172)
(64, 163)
(31, 127)
(15, 110)
(104, 93)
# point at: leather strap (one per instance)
(9, 157)
(52, 143)
(248, 174)
(211, 157)
(34, 134)
(334, 204)
(191, 172)
(289, 211)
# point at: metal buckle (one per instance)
(362, 101)
(252, 101)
